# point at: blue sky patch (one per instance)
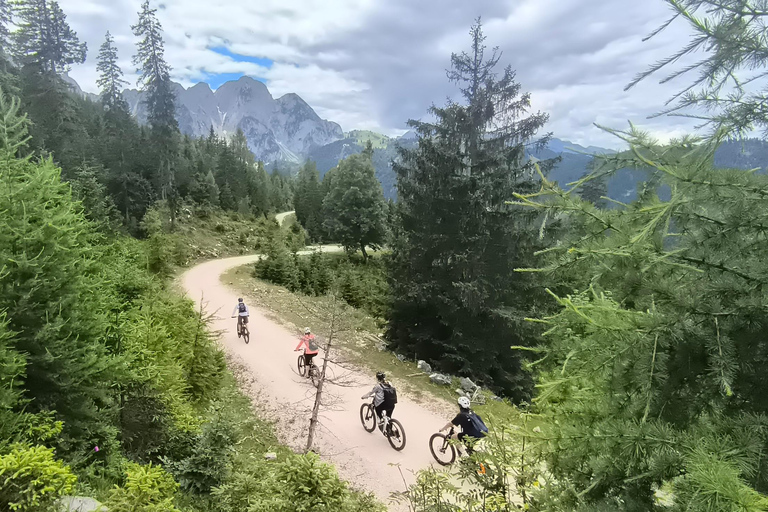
(215, 80)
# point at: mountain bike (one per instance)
(393, 430)
(314, 371)
(444, 451)
(242, 330)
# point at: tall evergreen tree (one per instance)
(457, 300)
(308, 200)
(155, 80)
(354, 208)
(50, 293)
(110, 77)
(44, 38)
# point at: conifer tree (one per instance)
(308, 200)
(111, 77)
(155, 80)
(44, 38)
(457, 301)
(50, 292)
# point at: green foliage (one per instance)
(650, 370)
(50, 292)
(43, 37)
(729, 87)
(147, 489)
(354, 208)
(308, 200)
(362, 284)
(31, 480)
(457, 301)
(210, 454)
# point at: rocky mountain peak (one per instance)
(276, 129)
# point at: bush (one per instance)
(147, 489)
(31, 480)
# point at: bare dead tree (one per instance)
(313, 422)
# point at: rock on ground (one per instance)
(80, 504)
(424, 366)
(468, 386)
(439, 378)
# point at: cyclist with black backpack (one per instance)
(472, 425)
(384, 398)
(241, 310)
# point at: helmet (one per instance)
(306, 330)
(464, 402)
(240, 299)
(380, 375)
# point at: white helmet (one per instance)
(464, 402)
(306, 330)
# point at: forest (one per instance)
(628, 336)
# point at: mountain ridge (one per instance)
(277, 129)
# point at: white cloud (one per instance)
(376, 63)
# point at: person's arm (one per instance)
(455, 422)
(302, 342)
(234, 312)
(371, 392)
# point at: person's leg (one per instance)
(389, 411)
(239, 325)
(380, 415)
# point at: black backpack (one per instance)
(241, 307)
(478, 423)
(390, 394)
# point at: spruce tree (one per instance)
(354, 209)
(110, 77)
(457, 301)
(44, 38)
(51, 294)
(308, 200)
(155, 80)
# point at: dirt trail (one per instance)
(361, 458)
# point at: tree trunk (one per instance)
(365, 254)
(318, 397)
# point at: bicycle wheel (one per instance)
(396, 435)
(314, 374)
(368, 417)
(443, 452)
(246, 335)
(302, 364)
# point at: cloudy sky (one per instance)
(373, 64)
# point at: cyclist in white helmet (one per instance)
(471, 424)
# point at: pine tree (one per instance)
(728, 89)
(44, 38)
(354, 208)
(155, 80)
(51, 293)
(308, 200)
(457, 301)
(111, 77)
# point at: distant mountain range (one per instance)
(287, 132)
(282, 129)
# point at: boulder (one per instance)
(80, 504)
(439, 378)
(468, 386)
(497, 398)
(424, 366)
(460, 392)
(400, 357)
(270, 456)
